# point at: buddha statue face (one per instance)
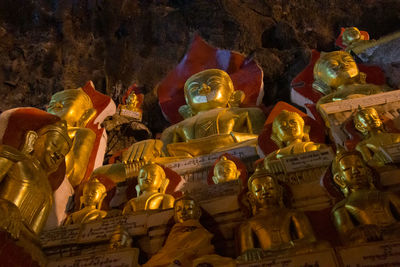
(51, 146)
(186, 209)
(151, 177)
(72, 105)
(351, 35)
(336, 68)
(367, 119)
(224, 171)
(93, 193)
(265, 191)
(288, 126)
(208, 89)
(352, 173)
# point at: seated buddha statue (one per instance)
(365, 214)
(26, 193)
(367, 121)
(152, 183)
(212, 122)
(354, 40)
(273, 229)
(337, 76)
(187, 240)
(93, 194)
(225, 171)
(291, 135)
(132, 103)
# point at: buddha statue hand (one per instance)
(10, 218)
(253, 254)
(143, 151)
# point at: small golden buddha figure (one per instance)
(132, 103)
(273, 228)
(291, 135)
(93, 194)
(76, 108)
(225, 171)
(187, 240)
(336, 75)
(120, 239)
(365, 214)
(152, 183)
(353, 39)
(367, 121)
(26, 196)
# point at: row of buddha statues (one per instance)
(41, 150)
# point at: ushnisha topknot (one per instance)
(59, 127)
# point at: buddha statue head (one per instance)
(120, 238)
(93, 194)
(72, 105)
(264, 190)
(351, 35)
(185, 208)
(209, 89)
(334, 69)
(350, 172)
(288, 127)
(151, 178)
(225, 170)
(49, 145)
(366, 120)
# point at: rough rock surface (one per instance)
(48, 45)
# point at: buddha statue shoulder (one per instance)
(367, 122)
(26, 195)
(152, 183)
(273, 229)
(291, 135)
(337, 76)
(93, 194)
(365, 214)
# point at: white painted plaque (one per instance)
(60, 236)
(131, 114)
(307, 160)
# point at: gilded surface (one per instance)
(225, 171)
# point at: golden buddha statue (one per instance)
(152, 183)
(367, 121)
(275, 228)
(291, 135)
(132, 103)
(365, 214)
(336, 75)
(352, 39)
(76, 108)
(187, 240)
(213, 122)
(225, 171)
(93, 194)
(120, 239)
(26, 196)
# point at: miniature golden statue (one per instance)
(225, 171)
(213, 122)
(336, 75)
(187, 240)
(274, 227)
(291, 135)
(76, 108)
(132, 103)
(353, 38)
(365, 214)
(151, 187)
(120, 239)
(26, 196)
(367, 121)
(93, 194)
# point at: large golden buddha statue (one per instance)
(367, 121)
(336, 75)
(152, 183)
(26, 195)
(225, 171)
(365, 214)
(93, 194)
(273, 228)
(290, 134)
(213, 122)
(76, 108)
